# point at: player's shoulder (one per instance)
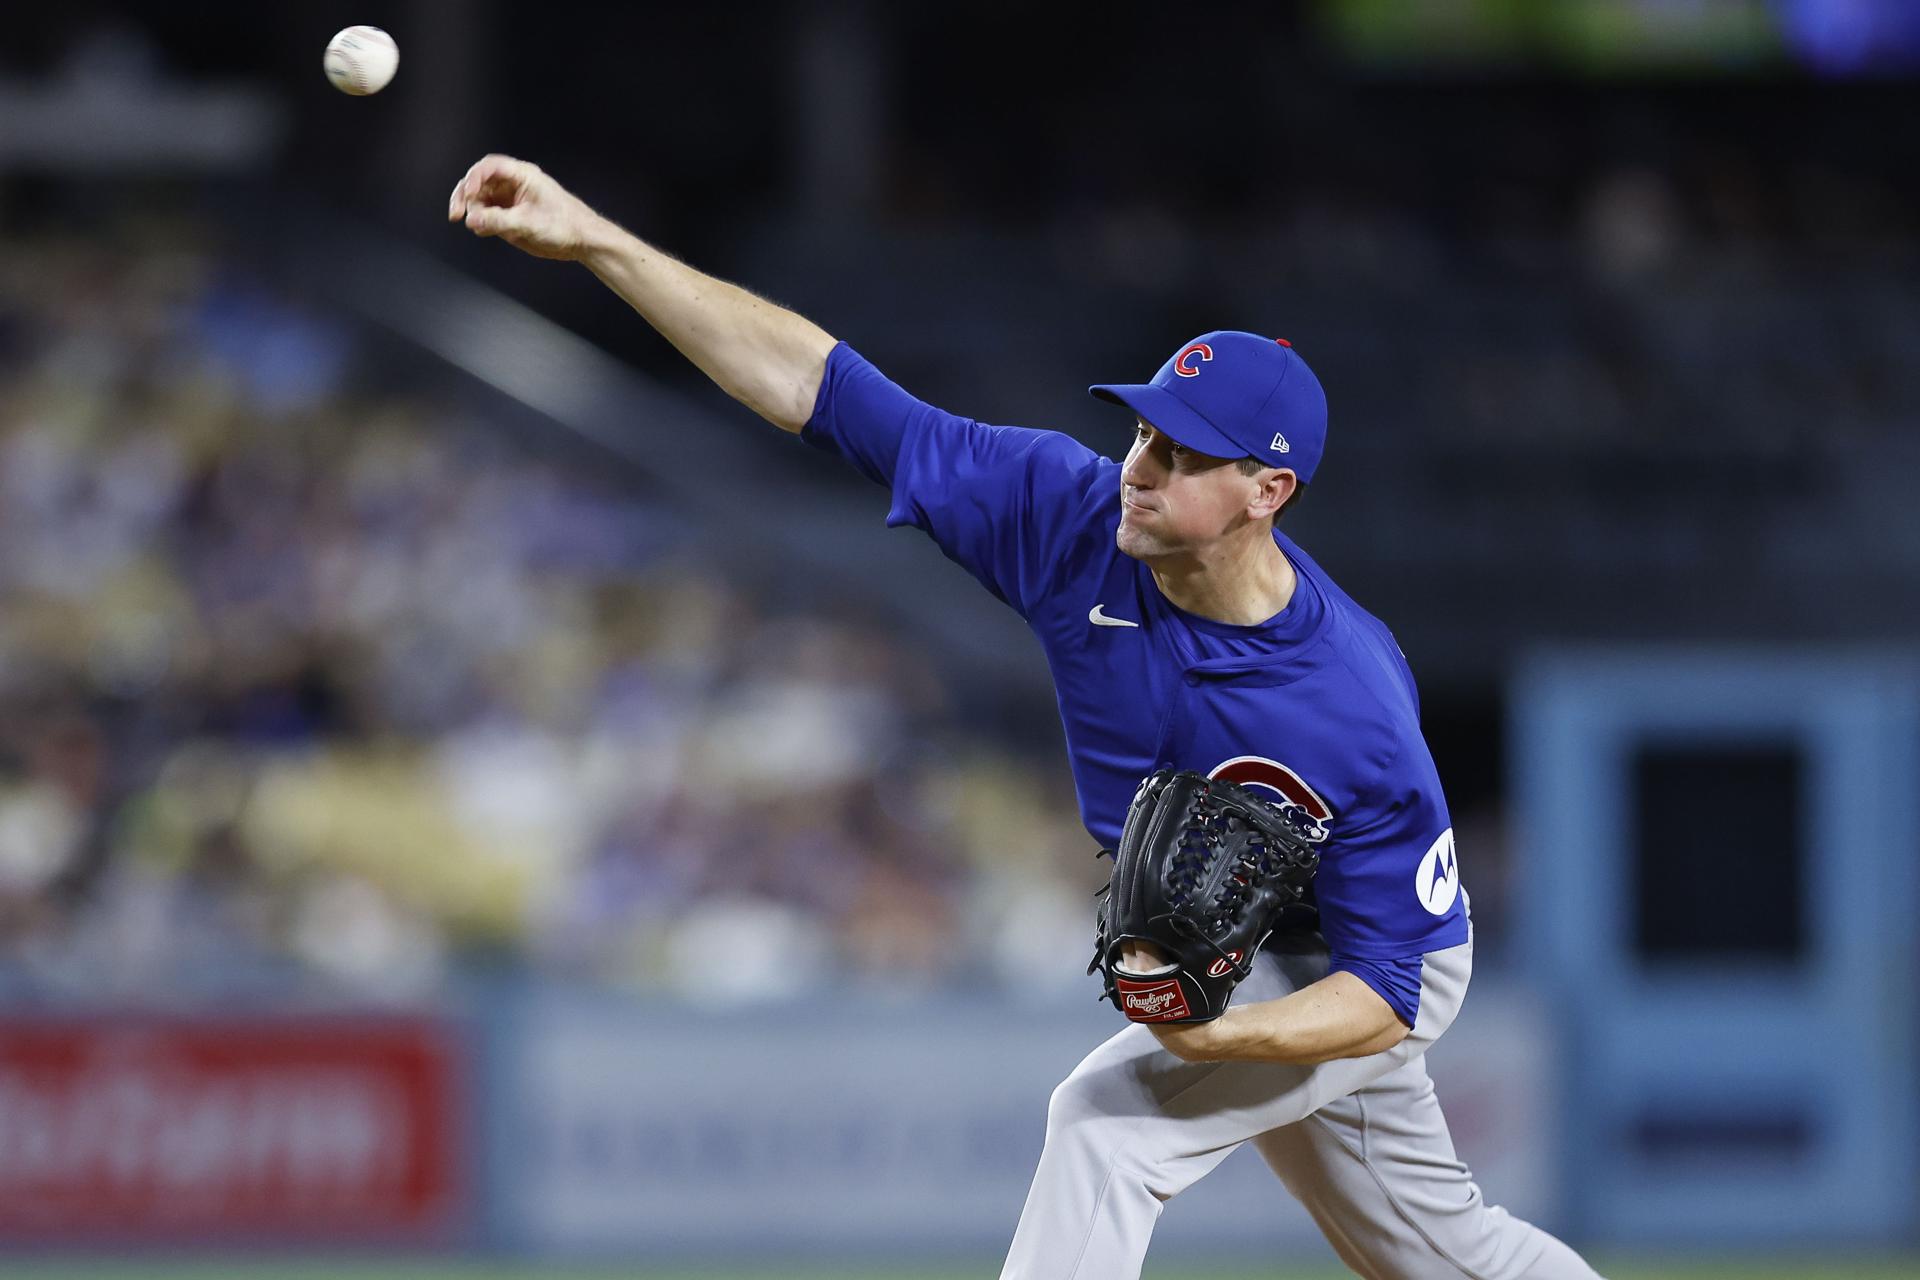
(1337, 598)
(1058, 470)
(1086, 484)
(1360, 647)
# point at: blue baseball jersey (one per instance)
(1316, 705)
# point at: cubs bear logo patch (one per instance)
(1311, 813)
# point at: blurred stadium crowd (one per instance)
(311, 678)
(306, 678)
(311, 686)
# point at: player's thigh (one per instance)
(1378, 1173)
(1130, 1089)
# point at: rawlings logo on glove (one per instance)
(1203, 870)
(1152, 1001)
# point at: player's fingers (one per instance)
(492, 220)
(493, 170)
(502, 191)
(490, 176)
(464, 190)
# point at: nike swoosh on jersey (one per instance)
(1098, 617)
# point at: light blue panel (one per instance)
(1831, 1039)
(642, 1130)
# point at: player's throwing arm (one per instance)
(766, 357)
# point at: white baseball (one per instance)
(361, 60)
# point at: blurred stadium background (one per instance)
(474, 802)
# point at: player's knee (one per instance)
(1074, 1109)
(1065, 1106)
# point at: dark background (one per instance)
(1616, 310)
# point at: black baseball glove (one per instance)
(1203, 871)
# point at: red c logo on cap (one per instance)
(1180, 361)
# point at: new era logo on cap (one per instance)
(1232, 394)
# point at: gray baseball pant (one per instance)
(1359, 1141)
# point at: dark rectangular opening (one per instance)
(1698, 1135)
(1718, 864)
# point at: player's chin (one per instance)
(1134, 541)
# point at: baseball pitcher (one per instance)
(1286, 931)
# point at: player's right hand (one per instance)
(517, 201)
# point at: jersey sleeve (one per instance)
(1388, 887)
(1000, 501)
(1395, 981)
(1376, 921)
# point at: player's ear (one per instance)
(1275, 486)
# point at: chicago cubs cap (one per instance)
(1235, 395)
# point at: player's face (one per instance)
(1174, 500)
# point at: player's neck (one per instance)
(1242, 582)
